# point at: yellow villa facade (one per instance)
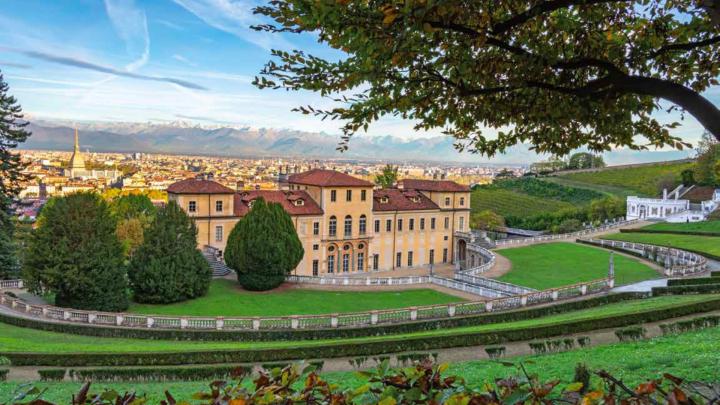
(344, 223)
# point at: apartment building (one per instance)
(344, 223)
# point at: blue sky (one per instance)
(162, 60)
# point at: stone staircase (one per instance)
(218, 267)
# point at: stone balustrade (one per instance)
(572, 235)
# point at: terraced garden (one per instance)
(641, 181)
(707, 245)
(707, 227)
(507, 203)
(633, 362)
(226, 298)
(553, 265)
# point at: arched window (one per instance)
(348, 226)
(363, 224)
(332, 226)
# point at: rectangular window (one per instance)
(422, 224)
(348, 195)
(331, 263)
(431, 260)
(346, 262)
(447, 222)
(192, 206)
(411, 224)
(333, 195)
(399, 225)
(398, 260)
(218, 206)
(462, 201)
(445, 255)
(316, 228)
(377, 226)
(432, 223)
(461, 227)
(388, 225)
(363, 195)
(316, 265)
(218, 233)
(447, 201)
(316, 247)
(376, 261)
(410, 259)
(361, 261)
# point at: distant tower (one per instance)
(77, 161)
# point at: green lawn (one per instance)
(620, 192)
(643, 181)
(553, 265)
(704, 226)
(632, 362)
(226, 298)
(507, 202)
(17, 339)
(700, 244)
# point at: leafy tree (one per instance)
(388, 177)
(131, 233)
(263, 248)
(568, 226)
(134, 212)
(584, 160)
(8, 257)
(688, 177)
(168, 267)
(555, 74)
(75, 254)
(667, 181)
(707, 171)
(551, 165)
(607, 208)
(487, 220)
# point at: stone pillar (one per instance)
(451, 310)
(183, 323)
(334, 320)
(66, 315)
(219, 323)
(413, 313)
(119, 319)
(91, 318)
(488, 306)
(373, 317)
(555, 295)
(294, 322)
(523, 300)
(583, 289)
(150, 322)
(256, 323)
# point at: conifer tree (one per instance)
(168, 267)
(8, 258)
(75, 254)
(263, 248)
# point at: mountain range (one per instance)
(245, 142)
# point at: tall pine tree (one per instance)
(263, 248)
(168, 267)
(75, 254)
(12, 133)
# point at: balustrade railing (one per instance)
(571, 235)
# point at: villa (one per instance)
(345, 224)
(672, 208)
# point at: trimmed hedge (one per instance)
(693, 281)
(495, 352)
(315, 334)
(630, 334)
(362, 348)
(715, 274)
(690, 325)
(695, 233)
(686, 290)
(52, 374)
(143, 374)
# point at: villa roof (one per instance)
(288, 200)
(198, 186)
(432, 185)
(327, 178)
(393, 199)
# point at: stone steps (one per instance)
(219, 269)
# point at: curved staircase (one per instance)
(212, 255)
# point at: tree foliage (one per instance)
(486, 220)
(263, 247)
(607, 208)
(388, 177)
(707, 165)
(75, 254)
(556, 74)
(168, 267)
(8, 249)
(584, 160)
(134, 213)
(12, 133)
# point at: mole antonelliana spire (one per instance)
(77, 161)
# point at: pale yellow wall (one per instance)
(205, 204)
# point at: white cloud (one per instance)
(130, 23)
(234, 17)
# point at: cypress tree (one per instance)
(168, 267)
(75, 254)
(263, 248)
(8, 258)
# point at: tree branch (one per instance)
(685, 46)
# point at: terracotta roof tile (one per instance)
(327, 178)
(392, 199)
(286, 198)
(432, 185)
(198, 186)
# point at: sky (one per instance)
(165, 60)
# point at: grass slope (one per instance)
(17, 339)
(507, 202)
(643, 180)
(553, 265)
(226, 298)
(700, 244)
(705, 226)
(633, 362)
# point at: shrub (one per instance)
(630, 334)
(263, 247)
(52, 374)
(686, 289)
(168, 267)
(583, 341)
(75, 254)
(693, 281)
(4, 364)
(143, 374)
(3, 374)
(495, 352)
(568, 226)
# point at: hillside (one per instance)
(638, 180)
